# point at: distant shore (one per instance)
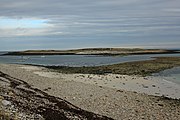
(95, 51)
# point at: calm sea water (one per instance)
(86, 60)
(76, 60)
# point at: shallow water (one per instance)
(172, 75)
(76, 60)
(69, 60)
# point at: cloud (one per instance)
(22, 32)
(172, 10)
(113, 19)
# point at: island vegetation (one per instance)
(94, 51)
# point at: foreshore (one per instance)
(112, 95)
(138, 68)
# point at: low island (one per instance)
(95, 51)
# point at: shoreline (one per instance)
(150, 85)
(82, 91)
(139, 68)
(134, 83)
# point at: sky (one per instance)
(71, 24)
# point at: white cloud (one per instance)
(23, 32)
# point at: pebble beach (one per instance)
(118, 97)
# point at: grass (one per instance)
(142, 68)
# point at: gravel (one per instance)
(115, 103)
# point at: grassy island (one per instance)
(95, 51)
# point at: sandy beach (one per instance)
(115, 96)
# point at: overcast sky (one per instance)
(67, 24)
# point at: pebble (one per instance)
(1, 97)
(6, 103)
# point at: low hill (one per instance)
(94, 51)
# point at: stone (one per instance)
(119, 91)
(11, 93)
(144, 86)
(1, 98)
(6, 103)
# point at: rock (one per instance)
(21, 114)
(6, 103)
(161, 105)
(119, 91)
(1, 98)
(10, 93)
(144, 86)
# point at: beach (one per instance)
(112, 95)
(89, 60)
(150, 85)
